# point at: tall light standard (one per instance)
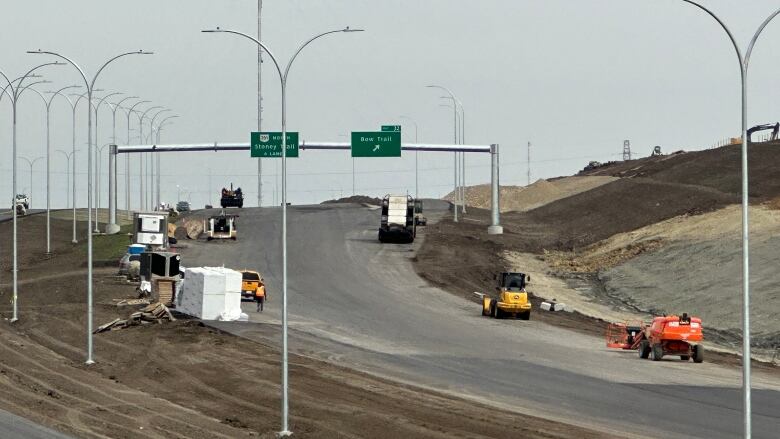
(455, 140)
(159, 158)
(73, 106)
(283, 79)
(141, 116)
(114, 107)
(155, 159)
(743, 69)
(130, 111)
(458, 106)
(47, 103)
(31, 163)
(14, 96)
(416, 174)
(90, 86)
(97, 162)
(68, 155)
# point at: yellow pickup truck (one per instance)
(512, 298)
(252, 285)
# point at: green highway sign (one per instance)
(376, 144)
(391, 128)
(270, 144)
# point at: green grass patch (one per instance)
(108, 247)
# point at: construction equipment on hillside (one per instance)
(767, 126)
(656, 151)
(665, 336)
(232, 198)
(512, 299)
(397, 223)
(21, 204)
(222, 226)
(419, 219)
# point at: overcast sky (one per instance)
(574, 77)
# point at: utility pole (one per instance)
(259, 104)
(529, 164)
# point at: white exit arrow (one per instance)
(376, 148)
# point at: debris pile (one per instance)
(152, 313)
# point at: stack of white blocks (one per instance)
(210, 293)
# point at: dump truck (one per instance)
(512, 299)
(664, 336)
(397, 222)
(222, 226)
(232, 198)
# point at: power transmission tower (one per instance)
(529, 164)
(626, 150)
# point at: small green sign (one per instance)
(386, 128)
(269, 144)
(376, 144)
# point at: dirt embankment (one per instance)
(183, 379)
(718, 169)
(356, 199)
(539, 193)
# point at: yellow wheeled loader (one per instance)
(512, 299)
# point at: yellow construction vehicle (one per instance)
(512, 300)
(252, 285)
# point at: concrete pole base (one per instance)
(285, 433)
(495, 230)
(112, 229)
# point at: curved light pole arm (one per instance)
(136, 52)
(258, 42)
(295, 55)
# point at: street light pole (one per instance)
(47, 103)
(743, 68)
(416, 175)
(68, 155)
(285, 431)
(14, 97)
(144, 200)
(155, 159)
(159, 158)
(31, 163)
(113, 220)
(73, 106)
(90, 86)
(455, 140)
(140, 160)
(97, 162)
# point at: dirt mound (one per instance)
(357, 199)
(539, 193)
(718, 168)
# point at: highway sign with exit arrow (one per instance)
(376, 144)
(270, 144)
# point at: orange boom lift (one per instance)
(665, 336)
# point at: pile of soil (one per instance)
(718, 168)
(524, 198)
(185, 379)
(356, 199)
